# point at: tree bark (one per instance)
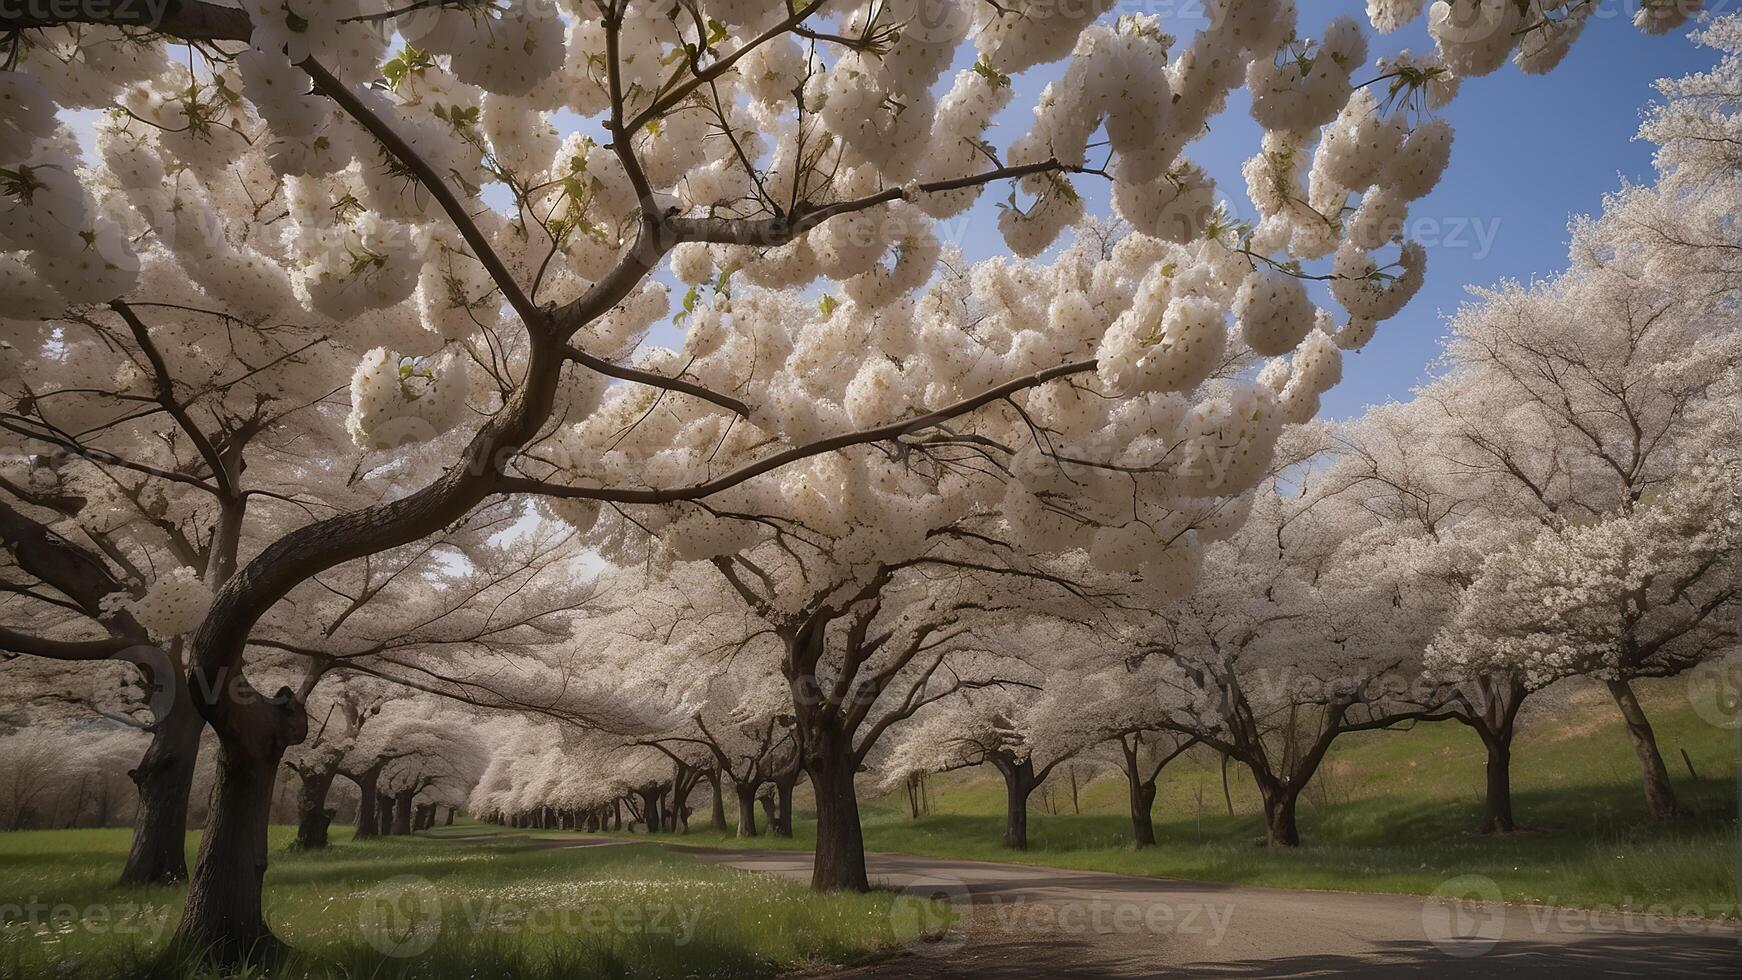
(222, 919)
(1019, 785)
(717, 810)
(368, 803)
(449, 819)
(384, 813)
(1497, 803)
(1660, 801)
(1280, 829)
(782, 823)
(650, 815)
(840, 855)
(746, 794)
(312, 816)
(165, 778)
(1142, 798)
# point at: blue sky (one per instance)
(1531, 151)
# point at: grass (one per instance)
(1394, 812)
(482, 909)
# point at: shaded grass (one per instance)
(422, 908)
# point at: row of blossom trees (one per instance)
(347, 312)
(1561, 502)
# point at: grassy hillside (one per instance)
(1392, 812)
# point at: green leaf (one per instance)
(993, 75)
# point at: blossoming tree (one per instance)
(274, 162)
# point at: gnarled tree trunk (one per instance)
(222, 918)
(312, 816)
(165, 777)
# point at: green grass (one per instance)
(491, 909)
(1395, 812)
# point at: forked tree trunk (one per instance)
(650, 815)
(165, 777)
(222, 919)
(1141, 795)
(840, 855)
(1142, 799)
(746, 794)
(312, 816)
(1660, 801)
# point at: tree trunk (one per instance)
(1142, 798)
(222, 919)
(368, 804)
(1497, 805)
(1660, 802)
(840, 853)
(650, 816)
(1019, 784)
(402, 812)
(384, 813)
(165, 777)
(312, 816)
(449, 819)
(746, 795)
(782, 823)
(717, 811)
(1280, 829)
